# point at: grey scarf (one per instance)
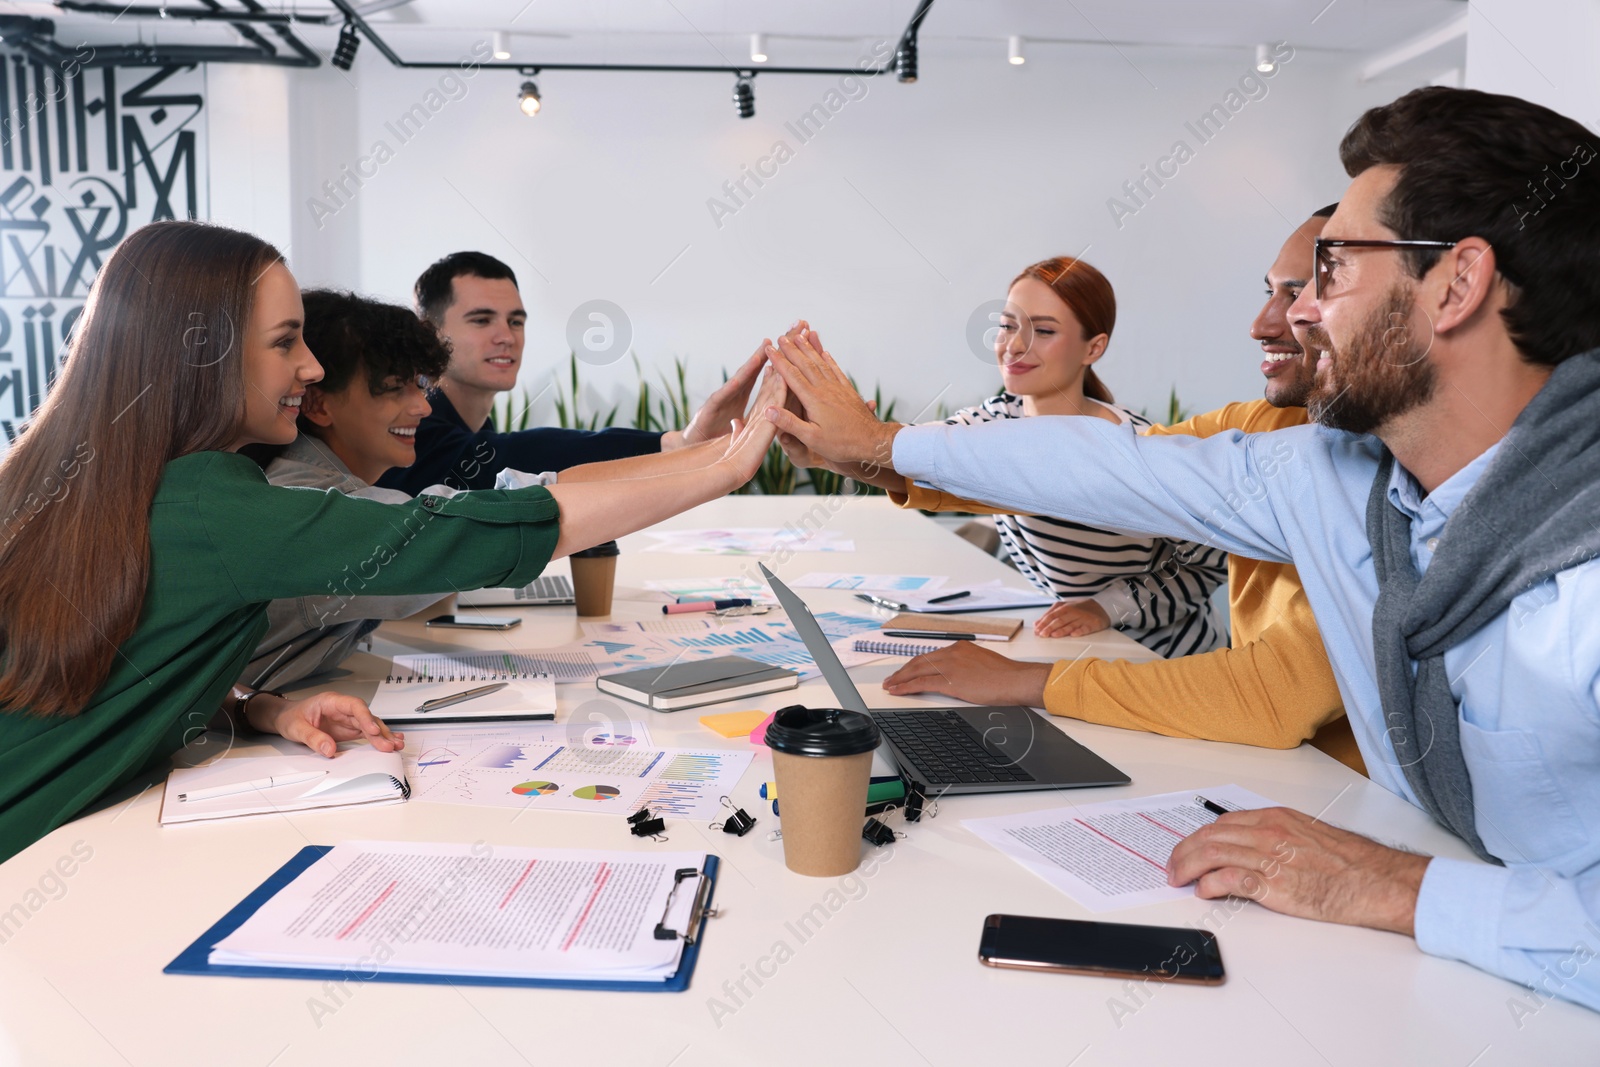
(1534, 513)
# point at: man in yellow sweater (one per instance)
(1273, 687)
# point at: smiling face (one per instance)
(1041, 348)
(484, 326)
(1290, 368)
(277, 365)
(370, 431)
(1370, 337)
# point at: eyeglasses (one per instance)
(1325, 264)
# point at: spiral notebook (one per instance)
(258, 785)
(891, 646)
(413, 681)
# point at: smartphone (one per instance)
(476, 622)
(1112, 950)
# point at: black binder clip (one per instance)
(915, 799)
(877, 834)
(738, 824)
(640, 824)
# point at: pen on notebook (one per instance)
(246, 787)
(456, 698)
(949, 597)
(1211, 805)
(937, 635)
(883, 602)
(705, 605)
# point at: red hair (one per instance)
(1086, 291)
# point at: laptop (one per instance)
(543, 590)
(958, 750)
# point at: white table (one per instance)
(884, 971)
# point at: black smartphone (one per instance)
(1112, 950)
(476, 622)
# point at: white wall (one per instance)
(1547, 51)
(248, 134)
(915, 205)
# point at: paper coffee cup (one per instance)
(822, 759)
(594, 577)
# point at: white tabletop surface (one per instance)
(886, 973)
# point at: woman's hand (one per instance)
(838, 427)
(973, 674)
(721, 407)
(750, 441)
(320, 722)
(1073, 619)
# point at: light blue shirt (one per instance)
(1528, 683)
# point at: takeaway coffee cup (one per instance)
(594, 576)
(822, 758)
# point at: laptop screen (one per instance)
(844, 690)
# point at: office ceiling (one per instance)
(809, 32)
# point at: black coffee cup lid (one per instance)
(599, 551)
(802, 731)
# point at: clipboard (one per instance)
(196, 959)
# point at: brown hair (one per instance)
(1086, 291)
(1521, 177)
(152, 373)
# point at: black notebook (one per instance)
(692, 685)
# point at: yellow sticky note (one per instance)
(734, 723)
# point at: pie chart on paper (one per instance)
(535, 789)
(597, 792)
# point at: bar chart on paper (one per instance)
(508, 773)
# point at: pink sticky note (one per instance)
(758, 736)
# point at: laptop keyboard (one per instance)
(547, 587)
(946, 748)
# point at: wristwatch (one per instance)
(239, 706)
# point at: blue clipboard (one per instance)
(196, 959)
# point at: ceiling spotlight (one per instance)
(344, 53)
(1264, 61)
(1014, 51)
(758, 48)
(502, 44)
(528, 99)
(905, 61)
(744, 97)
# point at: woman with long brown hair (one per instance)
(139, 549)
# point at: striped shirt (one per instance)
(1155, 590)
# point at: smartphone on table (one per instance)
(1112, 950)
(476, 622)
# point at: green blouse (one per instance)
(223, 542)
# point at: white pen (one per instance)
(247, 787)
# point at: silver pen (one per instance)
(892, 605)
(456, 698)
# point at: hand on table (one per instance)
(835, 423)
(721, 407)
(319, 722)
(1291, 863)
(973, 674)
(1075, 619)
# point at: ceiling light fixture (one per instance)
(1264, 62)
(528, 99)
(344, 53)
(502, 44)
(1014, 51)
(744, 97)
(758, 48)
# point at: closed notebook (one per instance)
(358, 774)
(691, 685)
(982, 627)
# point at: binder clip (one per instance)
(917, 802)
(640, 824)
(699, 910)
(738, 824)
(877, 834)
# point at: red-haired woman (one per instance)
(139, 550)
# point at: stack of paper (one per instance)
(482, 910)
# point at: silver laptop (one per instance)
(545, 589)
(958, 750)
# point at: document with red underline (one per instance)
(1113, 854)
(476, 909)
